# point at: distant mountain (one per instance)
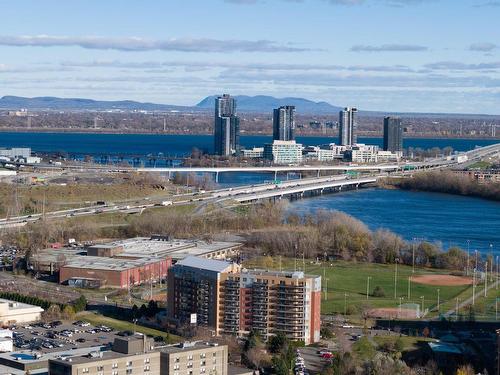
(66, 104)
(262, 103)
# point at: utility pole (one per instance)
(368, 286)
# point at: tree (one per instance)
(277, 342)
(80, 304)
(378, 291)
(466, 370)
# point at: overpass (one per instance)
(300, 189)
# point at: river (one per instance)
(450, 219)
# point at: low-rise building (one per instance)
(361, 153)
(12, 312)
(136, 355)
(283, 152)
(254, 153)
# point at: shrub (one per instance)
(378, 292)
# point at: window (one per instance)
(147, 360)
(114, 373)
(214, 354)
(190, 365)
(177, 367)
(129, 363)
(202, 363)
(203, 355)
(202, 370)
(114, 365)
(177, 360)
(214, 361)
(100, 368)
(129, 371)
(146, 368)
(85, 370)
(190, 357)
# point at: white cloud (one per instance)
(389, 48)
(142, 44)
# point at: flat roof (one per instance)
(189, 346)
(138, 247)
(109, 264)
(16, 306)
(204, 264)
(26, 357)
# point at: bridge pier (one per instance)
(275, 175)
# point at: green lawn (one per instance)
(350, 279)
(122, 325)
(409, 342)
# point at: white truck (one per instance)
(166, 203)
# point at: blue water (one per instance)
(435, 217)
(181, 145)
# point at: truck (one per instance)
(166, 203)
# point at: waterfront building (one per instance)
(347, 126)
(283, 152)
(321, 154)
(226, 126)
(361, 153)
(254, 153)
(228, 299)
(284, 123)
(393, 134)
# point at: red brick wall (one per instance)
(315, 314)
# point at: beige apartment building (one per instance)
(136, 355)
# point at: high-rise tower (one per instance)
(393, 134)
(226, 126)
(284, 123)
(347, 126)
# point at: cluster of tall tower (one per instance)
(227, 127)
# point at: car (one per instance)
(327, 355)
(324, 351)
(125, 333)
(56, 323)
(80, 340)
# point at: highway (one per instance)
(238, 194)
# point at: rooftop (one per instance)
(108, 264)
(17, 306)
(204, 264)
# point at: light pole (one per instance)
(326, 289)
(474, 286)
(468, 251)
(413, 256)
(345, 305)
(368, 286)
(486, 279)
(496, 285)
(438, 301)
(396, 279)
(409, 289)
(475, 263)
(400, 303)
(423, 304)
(456, 310)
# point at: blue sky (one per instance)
(387, 55)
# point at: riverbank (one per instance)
(368, 134)
(446, 182)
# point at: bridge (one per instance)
(300, 189)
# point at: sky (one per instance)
(384, 55)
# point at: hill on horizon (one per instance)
(264, 103)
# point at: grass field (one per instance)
(346, 283)
(122, 325)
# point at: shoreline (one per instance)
(106, 132)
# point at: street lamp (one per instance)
(486, 279)
(368, 286)
(474, 286)
(409, 289)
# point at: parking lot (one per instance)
(58, 336)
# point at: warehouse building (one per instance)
(12, 312)
(93, 271)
